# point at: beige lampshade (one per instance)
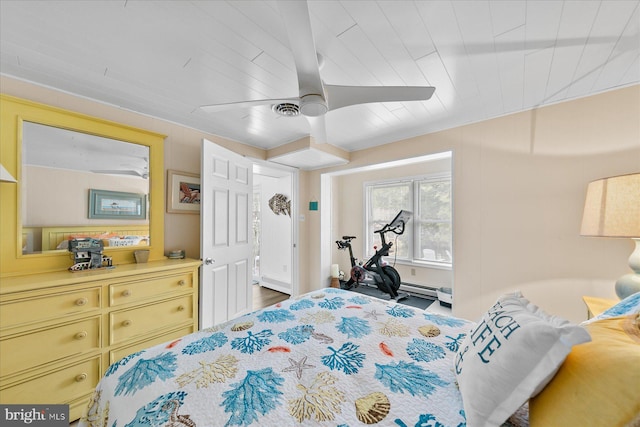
(612, 207)
(5, 176)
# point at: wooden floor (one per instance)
(264, 297)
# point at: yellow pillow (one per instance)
(599, 382)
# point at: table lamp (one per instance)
(612, 209)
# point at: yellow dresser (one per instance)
(60, 331)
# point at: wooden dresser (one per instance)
(60, 331)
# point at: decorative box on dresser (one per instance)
(60, 331)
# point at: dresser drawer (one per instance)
(47, 345)
(24, 311)
(134, 291)
(58, 386)
(127, 324)
(120, 352)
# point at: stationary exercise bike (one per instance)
(375, 271)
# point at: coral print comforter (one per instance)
(329, 358)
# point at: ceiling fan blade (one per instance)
(298, 25)
(120, 172)
(214, 108)
(343, 96)
(318, 129)
(523, 46)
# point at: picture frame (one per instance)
(183, 192)
(105, 204)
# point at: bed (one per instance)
(336, 358)
(56, 238)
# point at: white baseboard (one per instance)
(276, 285)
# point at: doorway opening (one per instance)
(256, 213)
(347, 204)
(275, 229)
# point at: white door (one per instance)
(226, 241)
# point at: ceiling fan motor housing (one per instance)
(313, 105)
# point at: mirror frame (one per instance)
(13, 112)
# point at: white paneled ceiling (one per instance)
(168, 58)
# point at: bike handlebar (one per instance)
(397, 225)
(397, 229)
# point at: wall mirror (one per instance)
(59, 158)
(61, 168)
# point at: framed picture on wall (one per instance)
(183, 192)
(104, 204)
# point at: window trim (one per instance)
(414, 190)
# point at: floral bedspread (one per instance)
(330, 357)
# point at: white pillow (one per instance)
(511, 354)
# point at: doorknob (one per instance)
(208, 261)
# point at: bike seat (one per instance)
(348, 237)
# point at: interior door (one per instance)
(226, 241)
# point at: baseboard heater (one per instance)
(412, 288)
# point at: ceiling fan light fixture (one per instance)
(313, 105)
(315, 99)
(286, 109)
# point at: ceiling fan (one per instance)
(315, 98)
(143, 173)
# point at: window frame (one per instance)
(413, 238)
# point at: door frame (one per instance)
(295, 226)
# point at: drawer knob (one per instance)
(181, 308)
(82, 301)
(182, 283)
(81, 335)
(126, 293)
(81, 377)
(126, 323)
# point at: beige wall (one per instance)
(519, 185)
(69, 190)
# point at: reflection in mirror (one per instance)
(59, 167)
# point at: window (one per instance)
(427, 237)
